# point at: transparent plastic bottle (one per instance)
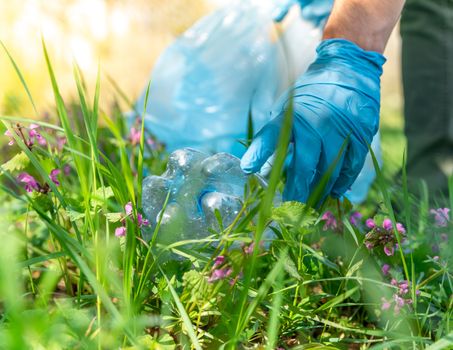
(197, 195)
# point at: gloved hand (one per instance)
(336, 101)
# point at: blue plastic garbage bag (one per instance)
(234, 61)
(229, 63)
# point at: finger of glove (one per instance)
(267, 167)
(352, 165)
(262, 147)
(302, 171)
(330, 166)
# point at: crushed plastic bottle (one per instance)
(195, 195)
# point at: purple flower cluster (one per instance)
(248, 249)
(331, 223)
(400, 298)
(220, 270)
(31, 184)
(441, 216)
(141, 221)
(134, 136)
(355, 218)
(384, 236)
(34, 136)
(136, 133)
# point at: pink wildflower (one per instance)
(11, 139)
(142, 221)
(370, 223)
(33, 130)
(368, 245)
(219, 260)
(389, 250)
(384, 236)
(67, 170)
(387, 224)
(385, 269)
(134, 136)
(355, 217)
(35, 135)
(398, 300)
(61, 141)
(400, 228)
(385, 304)
(219, 274)
(151, 143)
(330, 221)
(403, 287)
(30, 183)
(53, 176)
(441, 216)
(128, 207)
(120, 231)
(248, 250)
(401, 297)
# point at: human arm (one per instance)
(367, 23)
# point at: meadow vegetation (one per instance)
(76, 271)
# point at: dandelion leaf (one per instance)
(75, 215)
(114, 217)
(19, 162)
(196, 287)
(294, 214)
(101, 195)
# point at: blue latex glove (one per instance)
(336, 100)
(316, 11)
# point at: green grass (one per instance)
(66, 281)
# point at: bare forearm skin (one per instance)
(367, 23)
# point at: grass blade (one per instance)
(183, 313)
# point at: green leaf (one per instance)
(291, 269)
(294, 214)
(100, 195)
(19, 162)
(41, 258)
(444, 343)
(114, 217)
(315, 347)
(163, 342)
(337, 300)
(196, 287)
(183, 314)
(43, 201)
(75, 215)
